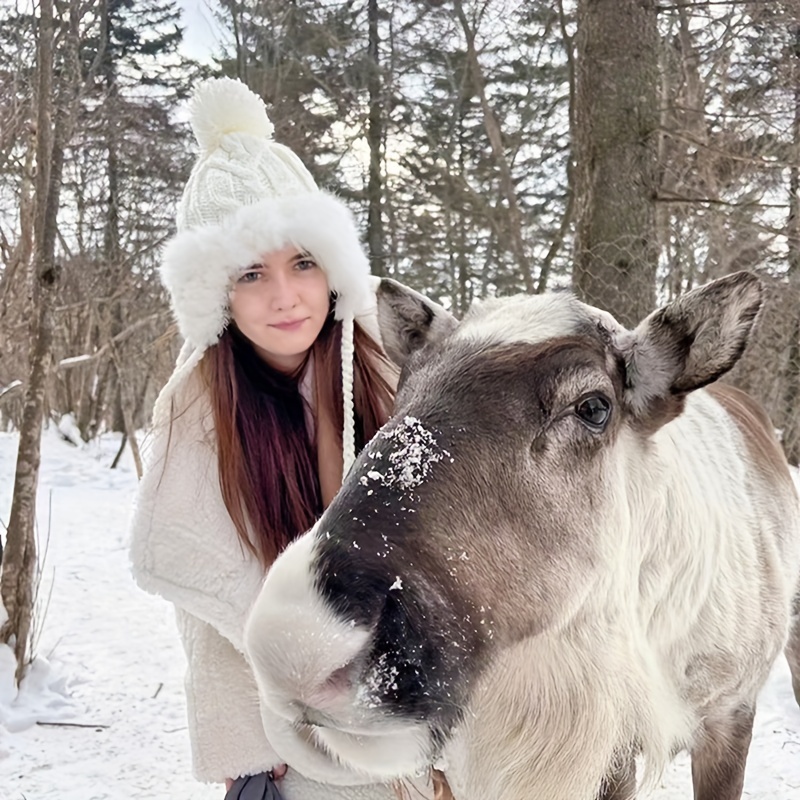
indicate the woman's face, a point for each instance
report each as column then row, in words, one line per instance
column 280, row 305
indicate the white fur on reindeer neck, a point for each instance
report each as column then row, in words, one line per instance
column 247, row 196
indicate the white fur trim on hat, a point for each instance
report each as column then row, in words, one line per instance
column 199, row 265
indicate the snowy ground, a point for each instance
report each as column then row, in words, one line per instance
column 115, row 665
column 111, row 671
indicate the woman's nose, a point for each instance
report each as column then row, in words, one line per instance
column 284, row 292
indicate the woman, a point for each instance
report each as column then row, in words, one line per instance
column 281, row 379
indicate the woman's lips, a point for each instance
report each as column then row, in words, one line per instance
column 291, row 325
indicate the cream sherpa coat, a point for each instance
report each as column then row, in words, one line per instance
column 185, row 548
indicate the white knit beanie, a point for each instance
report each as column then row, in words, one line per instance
column 248, row 196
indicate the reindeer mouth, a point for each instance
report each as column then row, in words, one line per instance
column 315, row 718
column 367, row 737
column 374, row 721
column 401, row 750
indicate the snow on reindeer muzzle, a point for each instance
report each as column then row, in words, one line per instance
column 354, row 633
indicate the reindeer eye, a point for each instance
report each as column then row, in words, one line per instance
column 593, row 411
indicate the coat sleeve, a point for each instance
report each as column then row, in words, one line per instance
column 184, row 546
column 222, row 706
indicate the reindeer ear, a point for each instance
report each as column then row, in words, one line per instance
column 408, row 321
column 690, row 342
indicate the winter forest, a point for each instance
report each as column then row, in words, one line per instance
column 628, row 150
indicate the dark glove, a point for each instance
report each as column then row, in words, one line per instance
column 254, row 787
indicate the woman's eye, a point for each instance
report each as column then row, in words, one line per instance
column 593, row 411
column 249, row 277
column 306, row 264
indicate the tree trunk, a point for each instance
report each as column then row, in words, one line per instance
column 127, row 407
column 615, row 140
column 462, row 254
column 111, row 311
column 15, row 291
column 21, row 257
column 495, row 136
column 52, row 127
column 569, row 208
column 19, row 559
column 791, row 399
column 793, row 221
column 375, row 242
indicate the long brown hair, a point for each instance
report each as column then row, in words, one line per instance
column 267, row 459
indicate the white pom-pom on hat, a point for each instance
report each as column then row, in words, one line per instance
column 222, row 106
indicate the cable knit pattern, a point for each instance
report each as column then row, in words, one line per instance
column 239, row 162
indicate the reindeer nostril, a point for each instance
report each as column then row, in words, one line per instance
column 339, row 679
column 334, row 691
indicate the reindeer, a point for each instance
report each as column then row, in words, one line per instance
column 569, row 549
